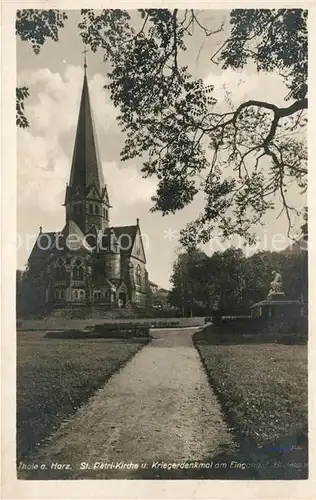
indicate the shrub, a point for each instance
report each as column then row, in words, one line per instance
column 67, row 334
column 120, row 330
column 258, row 330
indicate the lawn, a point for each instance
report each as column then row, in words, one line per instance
column 55, row 377
column 263, row 392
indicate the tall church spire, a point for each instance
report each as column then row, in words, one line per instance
column 86, row 182
column 86, row 165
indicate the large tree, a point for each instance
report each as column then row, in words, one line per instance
column 231, row 283
column 190, row 280
column 242, row 159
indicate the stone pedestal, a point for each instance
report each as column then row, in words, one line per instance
column 277, row 306
column 276, row 296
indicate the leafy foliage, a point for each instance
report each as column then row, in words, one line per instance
column 36, row 26
column 280, row 44
column 243, row 159
column 172, row 122
column 21, row 94
column 230, row 282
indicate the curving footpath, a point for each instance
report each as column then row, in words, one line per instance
column 158, row 408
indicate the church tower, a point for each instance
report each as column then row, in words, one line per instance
column 87, row 202
column 105, row 266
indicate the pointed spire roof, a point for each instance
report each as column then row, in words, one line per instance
column 86, row 166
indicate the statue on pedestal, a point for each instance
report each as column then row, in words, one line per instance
column 276, row 285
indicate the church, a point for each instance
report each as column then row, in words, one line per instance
column 89, row 261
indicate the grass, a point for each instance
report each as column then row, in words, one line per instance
column 263, row 392
column 264, row 387
column 55, row 377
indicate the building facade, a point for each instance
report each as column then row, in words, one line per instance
column 88, row 261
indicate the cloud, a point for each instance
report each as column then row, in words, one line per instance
column 241, row 87
column 54, row 103
column 126, row 186
column 45, row 149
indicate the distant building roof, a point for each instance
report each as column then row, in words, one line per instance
column 154, row 285
column 151, row 283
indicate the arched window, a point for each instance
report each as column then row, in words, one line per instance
column 60, row 270
column 75, row 294
column 97, row 295
column 59, row 294
column 78, row 271
column 82, row 294
column 138, row 276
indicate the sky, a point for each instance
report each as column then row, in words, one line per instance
column 55, row 78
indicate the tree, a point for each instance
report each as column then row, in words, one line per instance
column 190, row 282
column 227, row 281
column 231, row 283
column 202, row 283
column 171, row 120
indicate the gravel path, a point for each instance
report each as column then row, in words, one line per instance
column 159, row 407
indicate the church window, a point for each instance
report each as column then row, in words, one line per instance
column 97, row 295
column 103, row 211
column 90, row 208
column 60, row 270
column 75, row 294
column 96, row 209
column 107, row 214
column 138, row 276
column 82, row 294
column 78, row 272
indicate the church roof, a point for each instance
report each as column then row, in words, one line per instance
column 86, row 168
column 47, row 241
column 43, row 243
column 126, row 236
column 76, row 240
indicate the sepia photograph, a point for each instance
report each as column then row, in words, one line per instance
column 162, row 244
